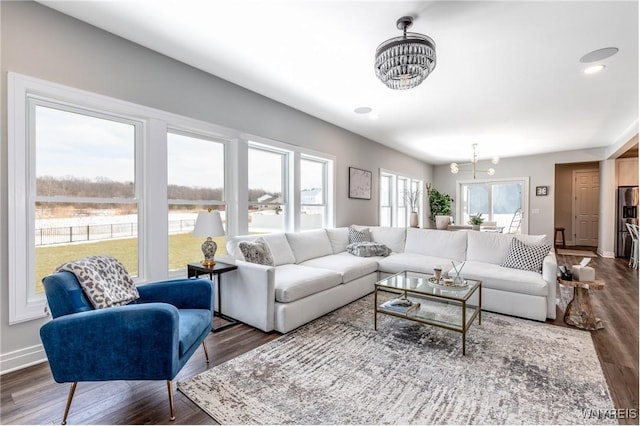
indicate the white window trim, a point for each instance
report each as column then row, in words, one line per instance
column 395, row 196
column 152, row 165
column 151, row 174
column 525, row 197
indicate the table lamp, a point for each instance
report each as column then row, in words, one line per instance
column 209, row 224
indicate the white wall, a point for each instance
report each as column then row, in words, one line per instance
column 541, row 171
column 42, row 43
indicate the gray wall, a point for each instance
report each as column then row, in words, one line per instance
column 541, row 171
column 42, row 43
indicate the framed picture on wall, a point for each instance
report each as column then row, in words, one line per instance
column 359, row 183
column 542, row 190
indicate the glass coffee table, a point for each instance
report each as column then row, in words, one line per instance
column 444, row 306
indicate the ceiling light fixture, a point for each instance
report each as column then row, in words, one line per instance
column 404, row 62
column 455, row 167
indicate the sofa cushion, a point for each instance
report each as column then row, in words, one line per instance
column 506, row 279
column 309, row 244
column 394, row 238
column 359, row 235
column 294, row 282
column 492, row 247
column 525, row 256
column 256, row 251
column 431, row 242
column 400, row 262
column 280, row 248
column 349, row 267
column 339, row 238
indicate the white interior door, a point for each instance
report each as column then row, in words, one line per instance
column 586, row 207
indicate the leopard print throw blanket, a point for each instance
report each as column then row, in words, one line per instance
column 104, row 280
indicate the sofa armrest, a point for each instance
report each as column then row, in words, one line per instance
column 132, row 342
column 183, row 293
column 549, row 274
column 248, row 294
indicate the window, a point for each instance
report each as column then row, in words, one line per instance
column 195, row 183
column 496, row 200
column 268, row 176
column 394, row 207
column 81, row 195
column 313, row 192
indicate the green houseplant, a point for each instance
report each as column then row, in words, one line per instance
column 476, row 220
column 439, row 203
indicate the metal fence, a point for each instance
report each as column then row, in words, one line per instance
column 72, row 234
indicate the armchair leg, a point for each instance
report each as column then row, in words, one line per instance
column 206, row 353
column 171, row 407
column 72, row 390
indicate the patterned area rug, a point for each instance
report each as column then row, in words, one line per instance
column 338, row 370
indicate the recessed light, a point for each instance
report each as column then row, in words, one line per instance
column 599, row 54
column 593, row 69
column 362, row 110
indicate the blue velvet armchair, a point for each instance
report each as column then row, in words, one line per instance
column 150, row 339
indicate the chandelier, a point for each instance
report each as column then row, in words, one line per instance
column 455, row 167
column 404, row 62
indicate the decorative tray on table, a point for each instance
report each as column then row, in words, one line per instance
column 447, row 283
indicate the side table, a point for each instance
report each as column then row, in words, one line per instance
column 197, row 269
column 579, row 311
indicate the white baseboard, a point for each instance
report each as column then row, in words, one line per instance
column 607, row 254
column 22, row 358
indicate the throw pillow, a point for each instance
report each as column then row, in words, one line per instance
column 359, row 235
column 526, row 257
column 256, row 251
column 368, row 249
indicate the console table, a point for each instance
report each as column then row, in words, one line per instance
column 579, row 311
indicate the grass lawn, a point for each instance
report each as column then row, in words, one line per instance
column 183, row 249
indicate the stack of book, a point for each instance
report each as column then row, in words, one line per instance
column 401, row 306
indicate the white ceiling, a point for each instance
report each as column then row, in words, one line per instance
column 508, row 75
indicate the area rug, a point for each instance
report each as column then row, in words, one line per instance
column 583, row 253
column 339, row 370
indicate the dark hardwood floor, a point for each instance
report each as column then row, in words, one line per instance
column 30, row 396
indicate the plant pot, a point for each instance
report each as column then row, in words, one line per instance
column 475, row 227
column 442, row 222
column 413, row 220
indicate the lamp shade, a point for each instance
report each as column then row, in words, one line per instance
column 209, row 224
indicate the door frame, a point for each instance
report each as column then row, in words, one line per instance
column 574, row 199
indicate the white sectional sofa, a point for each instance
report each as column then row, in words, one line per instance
column 314, row 274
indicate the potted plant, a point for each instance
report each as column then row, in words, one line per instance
column 439, row 204
column 411, row 199
column 476, row 220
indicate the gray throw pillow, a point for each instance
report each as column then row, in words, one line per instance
column 256, row 251
column 526, row 257
column 359, row 236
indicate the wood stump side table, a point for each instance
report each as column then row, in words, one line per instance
column 579, row 311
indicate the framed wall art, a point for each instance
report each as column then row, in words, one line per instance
column 359, row 183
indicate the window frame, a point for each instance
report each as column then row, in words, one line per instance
column 524, row 181
column 398, row 207
column 326, row 165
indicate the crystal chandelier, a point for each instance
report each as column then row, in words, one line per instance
column 455, row 167
column 404, row 62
